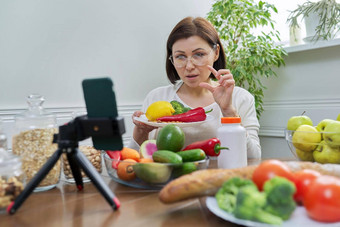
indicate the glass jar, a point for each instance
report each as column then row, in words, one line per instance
column 12, row 179
column 3, row 138
column 93, row 155
column 32, row 141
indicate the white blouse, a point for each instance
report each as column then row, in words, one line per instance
column 243, row 103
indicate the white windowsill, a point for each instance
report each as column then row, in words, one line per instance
column 312, row 46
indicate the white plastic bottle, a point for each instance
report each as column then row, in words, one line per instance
column 232, row 135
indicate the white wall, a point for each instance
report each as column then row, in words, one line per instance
column 50, row 46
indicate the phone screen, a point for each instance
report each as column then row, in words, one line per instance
column 100, row 102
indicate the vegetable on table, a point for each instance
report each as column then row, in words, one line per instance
column 211, row 147
column 268, row 169
column 165, row 156
column 280, row 201
column 303, row 179
column 242, row 198
column 179, row 107
column 125, row 170
column 322, row 200
column 197, row 114
column 249, row 205
column 192, row 155
column 116, row 156
column 129, row 153
column 226, row 195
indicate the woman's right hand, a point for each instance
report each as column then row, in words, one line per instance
column 141, row 130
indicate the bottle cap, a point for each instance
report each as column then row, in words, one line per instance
column 228, row 120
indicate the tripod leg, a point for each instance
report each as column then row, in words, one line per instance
column 96, row 179
column 75, row 170
column 34, row 182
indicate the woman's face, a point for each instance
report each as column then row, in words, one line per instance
column 190, row 57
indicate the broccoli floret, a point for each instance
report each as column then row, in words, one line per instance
column 179, row 107
column 226, row 195
column 279, row 192
column 249, row 205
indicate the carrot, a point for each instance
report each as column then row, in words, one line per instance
column 125, row 170
column 129, row 153
column 145, row 160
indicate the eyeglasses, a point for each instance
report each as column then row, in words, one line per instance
column 199, row 58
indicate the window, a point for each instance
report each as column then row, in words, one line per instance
column 283, row 7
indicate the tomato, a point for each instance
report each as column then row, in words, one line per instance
column 322, row 200
column 268, row 169
column 302, row 180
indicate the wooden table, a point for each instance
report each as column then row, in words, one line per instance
column 65, row 206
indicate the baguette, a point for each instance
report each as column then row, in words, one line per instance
column 207, row 182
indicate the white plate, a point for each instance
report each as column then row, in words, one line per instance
column 298, row 218
column 143, row 119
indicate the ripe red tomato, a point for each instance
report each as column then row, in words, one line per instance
column 302, row 180
column 268, row 169
column 322, row 200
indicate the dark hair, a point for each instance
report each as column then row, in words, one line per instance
column 186, row 28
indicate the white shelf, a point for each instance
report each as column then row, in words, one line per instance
column 313, row 46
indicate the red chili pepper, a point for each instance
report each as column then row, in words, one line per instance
column 116, row 155
column 197, row 114
column 211, row 147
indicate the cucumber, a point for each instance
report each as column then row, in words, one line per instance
column 185, row 168
column 192, row 155
column 165, row 156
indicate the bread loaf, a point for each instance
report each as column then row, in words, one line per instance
column 207, row 182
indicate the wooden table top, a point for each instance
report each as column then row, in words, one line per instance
column 65, row 206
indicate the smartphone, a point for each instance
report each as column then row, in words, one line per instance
column 100, row 102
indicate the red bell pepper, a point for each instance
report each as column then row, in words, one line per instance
column 116, row 156
column 211, row 147
column 197, row 114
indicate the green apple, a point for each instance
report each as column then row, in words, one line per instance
column 332, row 134
column 306, row 138
column 295, row 121
column 338, row 118
column 326, row 154
column 322, row 125
column 304, row 155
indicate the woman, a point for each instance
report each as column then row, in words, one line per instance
column 194, row 57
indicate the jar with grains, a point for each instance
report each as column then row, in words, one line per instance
column 32, row 141
column 93, row 155
column 12, row 179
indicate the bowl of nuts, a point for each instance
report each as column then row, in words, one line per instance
column 93, row 155
column 12, row 179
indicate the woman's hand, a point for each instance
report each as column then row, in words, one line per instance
column 223, row 92
column 141, row 130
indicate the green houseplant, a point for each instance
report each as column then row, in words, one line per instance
column 250, row 57
column 327, row 18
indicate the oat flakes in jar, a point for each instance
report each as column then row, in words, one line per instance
column 32, row 141
column 93, row 155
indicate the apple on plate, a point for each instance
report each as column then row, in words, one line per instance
column 338, row 118
column 326, row 154
column 306, row 138
column 332, row 134
column 322, row 125
column 295, row 121
column 304, row 155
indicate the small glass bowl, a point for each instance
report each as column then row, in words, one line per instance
column 325, row 151
column 152, row 175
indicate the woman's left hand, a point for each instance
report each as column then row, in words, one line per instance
column 223, row 92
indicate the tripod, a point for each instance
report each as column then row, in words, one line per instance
column 69, row 135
